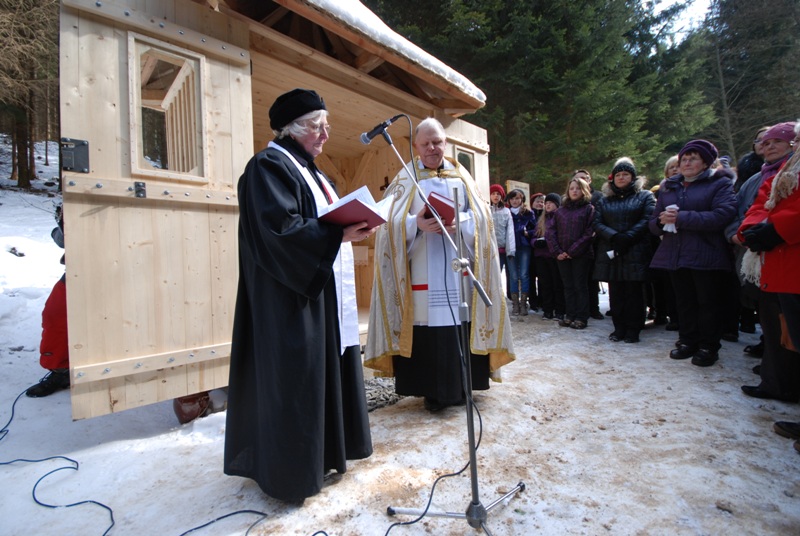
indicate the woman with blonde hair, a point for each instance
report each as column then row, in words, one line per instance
column 569, row 239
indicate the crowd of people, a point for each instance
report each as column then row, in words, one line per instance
column 706, row 252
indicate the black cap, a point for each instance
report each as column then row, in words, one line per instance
column 553, row 198
column 292, row 105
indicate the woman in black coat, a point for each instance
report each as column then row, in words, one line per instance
column 624, row 250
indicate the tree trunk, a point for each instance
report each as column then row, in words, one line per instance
column 31, row 134
column 725, row 113
column 47, row 124
column 14, row 170
column 23, row 168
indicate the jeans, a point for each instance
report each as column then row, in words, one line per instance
column 519, row 271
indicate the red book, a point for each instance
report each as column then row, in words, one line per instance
column 355, row 207
column 443, row 205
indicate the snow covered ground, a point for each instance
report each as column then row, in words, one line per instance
column 608, row 439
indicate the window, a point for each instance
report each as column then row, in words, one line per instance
column 466, row 159
column 167, row 119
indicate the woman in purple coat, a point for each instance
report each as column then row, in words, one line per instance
column 569, row 238
column 691, row 213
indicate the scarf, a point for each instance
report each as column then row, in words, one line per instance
column 785, row 183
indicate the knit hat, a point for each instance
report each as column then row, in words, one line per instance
column 707, row 151
column 623, row 164
column 292, row 105
column 553, row 198
column 497, row 188
column 781, row 131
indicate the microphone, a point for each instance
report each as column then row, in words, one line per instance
column 366, row 137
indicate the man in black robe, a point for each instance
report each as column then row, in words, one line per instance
column 296, row 401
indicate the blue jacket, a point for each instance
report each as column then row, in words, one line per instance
column 706, row 207
column 524, row 223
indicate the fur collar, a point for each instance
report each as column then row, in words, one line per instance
column 609, row 190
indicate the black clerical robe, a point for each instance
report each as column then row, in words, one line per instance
column 296, row 405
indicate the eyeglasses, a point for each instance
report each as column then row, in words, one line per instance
column 318, row 128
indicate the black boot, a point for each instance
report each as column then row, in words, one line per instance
column 55, row 380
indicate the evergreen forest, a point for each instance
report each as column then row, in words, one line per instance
column 569, row 84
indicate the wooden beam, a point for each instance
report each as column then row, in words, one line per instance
column 412, row 84
column 367, row 62
column 273, row 18
column 275, row 44
column 339, row 48
column 129, row 17
column 156, row 191
column 147, row 363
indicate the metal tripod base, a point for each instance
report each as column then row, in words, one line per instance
column 475, row 515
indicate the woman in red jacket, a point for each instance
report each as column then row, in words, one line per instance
column 771, row 232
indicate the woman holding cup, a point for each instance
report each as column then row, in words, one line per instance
column 693, row 248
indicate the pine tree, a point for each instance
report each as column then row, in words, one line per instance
column 568, row 84
column 751, row 50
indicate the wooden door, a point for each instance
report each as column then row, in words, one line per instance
column 156, row 119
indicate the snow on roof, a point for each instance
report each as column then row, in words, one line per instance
column 359, row 18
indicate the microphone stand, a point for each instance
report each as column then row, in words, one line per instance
column 476, row 514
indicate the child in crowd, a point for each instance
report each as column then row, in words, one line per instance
column 551, row 291
column 537, row 207
column 503, row 224
column 519, row 266
column 569, row 238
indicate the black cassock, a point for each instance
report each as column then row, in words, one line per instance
column 296, row 406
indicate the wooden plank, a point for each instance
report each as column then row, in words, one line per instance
column 156, row 190
column 95, row 99
column 197, row 297
column 141, row 20
column 148, row 363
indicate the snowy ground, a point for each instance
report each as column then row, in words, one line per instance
column 608, row 439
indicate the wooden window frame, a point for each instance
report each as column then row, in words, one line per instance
column 189, row 146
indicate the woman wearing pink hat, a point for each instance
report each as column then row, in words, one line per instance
column 771, row 230
column 767, row 241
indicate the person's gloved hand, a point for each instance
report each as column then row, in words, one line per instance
column 762, row 237
column 539, row 243
column 621, row 243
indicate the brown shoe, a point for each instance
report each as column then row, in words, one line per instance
column 578, row 324
column 191, row 407
column 797, row 445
